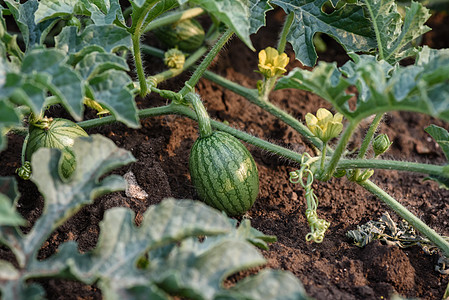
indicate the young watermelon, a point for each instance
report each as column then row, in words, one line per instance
column 187, row 35
column 55, row 133
column 224, row 173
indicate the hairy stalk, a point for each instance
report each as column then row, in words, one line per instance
column 338, row 152
column 392, row 165
column 174, row 17
column 206, row 62
column 253, row 97
column 407, row 215
column 176, row 109
column 283, row 36
column 367, row 140
column 323, row 156
column 136, row 31
column 139, row 65
column 267, row 86
column 201, row 114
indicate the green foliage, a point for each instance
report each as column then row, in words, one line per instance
column 182, row 247
column 394, row 34
column 244, row 17
column 421, row 87
column 102, row 12
column 32, row 31
column 309, row 18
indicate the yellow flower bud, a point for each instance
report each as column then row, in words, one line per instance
column 271, row 63
column 325, row 126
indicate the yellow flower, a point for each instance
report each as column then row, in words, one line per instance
column 325, row 126
column 272, row 64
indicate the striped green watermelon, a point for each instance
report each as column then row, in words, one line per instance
column 55, row 133
column 224, row 173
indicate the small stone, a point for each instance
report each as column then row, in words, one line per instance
column 133, row 190
column 422, row 149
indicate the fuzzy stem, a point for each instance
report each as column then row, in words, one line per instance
column 268, row 84
column 285, row 30
column 330, row 169
column 367, row 141
column 369, row 135
column 136, row 31
column 201, row 113
column 407, row 215
column 323, row 156
column 392, row 165
column 252, row 96
column 139, row 65
column 206, row 62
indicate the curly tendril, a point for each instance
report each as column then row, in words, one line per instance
column 304, row 176
column 24, row 171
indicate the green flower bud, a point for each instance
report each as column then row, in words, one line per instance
column 381, row 144
column 174, row 59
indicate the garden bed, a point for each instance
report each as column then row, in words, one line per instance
column 334, row 269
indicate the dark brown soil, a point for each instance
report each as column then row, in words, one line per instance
column 334, row 269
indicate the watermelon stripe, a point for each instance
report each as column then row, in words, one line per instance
column 59, row 135
column 229, row 167
column 209, row 195
column 221, row 168
column 247, row 154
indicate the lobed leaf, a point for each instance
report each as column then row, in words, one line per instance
column 110, row 89
column 105, row 38
column 244, row 17
column 105, row 12
column 381, row 87
column 96, row 156
column 267, row 284
column 393, row 33
column 197, row 272
column 8, row 199
column 309, row 18
column 258, row 10
column 44, row 70
column 102, row 12
column 121, row 244
column 25, row 17
column 96, row 63
column 56, row 8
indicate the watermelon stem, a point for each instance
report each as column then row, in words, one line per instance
column 203, row 117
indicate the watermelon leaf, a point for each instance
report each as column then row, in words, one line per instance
column 394, row 34
column 309, row 18
column 421, row 87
